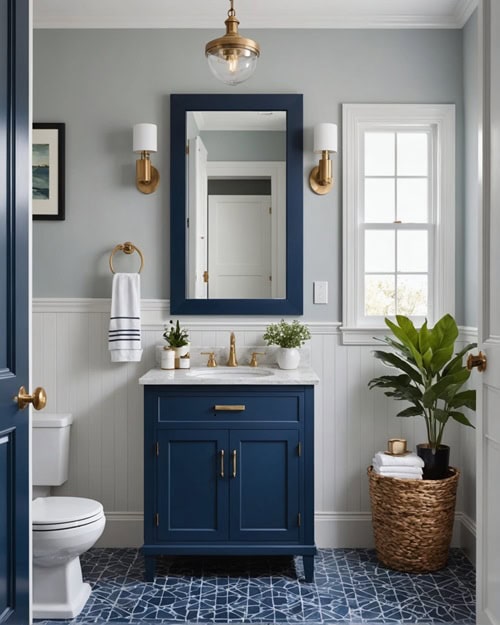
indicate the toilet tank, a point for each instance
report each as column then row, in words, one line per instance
column 50, row 448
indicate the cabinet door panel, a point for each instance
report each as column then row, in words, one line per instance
column 264, row 493
column 192, row 492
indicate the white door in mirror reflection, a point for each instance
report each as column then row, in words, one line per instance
column 239, row 250
column 197, row 219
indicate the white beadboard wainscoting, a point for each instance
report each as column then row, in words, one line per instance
column 71, row 360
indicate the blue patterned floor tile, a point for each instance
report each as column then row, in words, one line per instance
column 350, row 587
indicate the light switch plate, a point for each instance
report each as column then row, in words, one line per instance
column 320, row 292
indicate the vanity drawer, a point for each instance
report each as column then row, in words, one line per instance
column 220, row 406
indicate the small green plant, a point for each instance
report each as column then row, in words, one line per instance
column 175, row 335
column 285, row 334
column 431, row 376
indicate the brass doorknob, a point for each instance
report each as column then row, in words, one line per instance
column 38, row 398
column 477, row 360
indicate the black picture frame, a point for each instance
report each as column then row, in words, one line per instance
column 48, row 171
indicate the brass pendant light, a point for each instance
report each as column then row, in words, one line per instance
column 232, row 58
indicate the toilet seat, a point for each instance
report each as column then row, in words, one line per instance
column 60, row 513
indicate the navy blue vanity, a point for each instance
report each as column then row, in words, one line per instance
column 228, row 467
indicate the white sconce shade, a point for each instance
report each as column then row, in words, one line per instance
column 145, row 138
column 325, row 137
column 147, row 177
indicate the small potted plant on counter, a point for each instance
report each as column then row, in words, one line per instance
column 430, row 378
column 178, row 339
column 289, row 337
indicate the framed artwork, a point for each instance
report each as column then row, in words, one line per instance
column 48, row 183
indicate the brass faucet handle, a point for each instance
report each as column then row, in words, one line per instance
column 211, row 358
column 253, row 361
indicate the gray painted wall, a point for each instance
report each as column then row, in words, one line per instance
column 471, row 186
column 244, row 145
column 101, row 82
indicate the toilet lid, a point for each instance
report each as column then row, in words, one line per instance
column 50, row 513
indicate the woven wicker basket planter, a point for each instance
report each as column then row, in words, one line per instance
column 413, row 521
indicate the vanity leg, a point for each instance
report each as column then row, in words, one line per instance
column 150, row 568
column 308, row 568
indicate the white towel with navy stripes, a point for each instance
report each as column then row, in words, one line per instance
column 125, row 322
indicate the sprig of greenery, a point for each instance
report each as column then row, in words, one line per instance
column 175, row 335
column 286, row 334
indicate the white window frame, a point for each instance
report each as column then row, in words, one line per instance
column 440, row 120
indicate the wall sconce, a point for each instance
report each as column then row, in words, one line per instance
column 325, row 141
column 147, row 177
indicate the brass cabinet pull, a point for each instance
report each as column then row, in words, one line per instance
column 222, row 463
column 234, row 462
column 230, row 407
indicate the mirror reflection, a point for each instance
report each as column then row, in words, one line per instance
column 236, row 204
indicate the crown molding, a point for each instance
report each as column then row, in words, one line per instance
column 329, row 16
column 464, row 10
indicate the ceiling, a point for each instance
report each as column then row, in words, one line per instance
column 252, row 13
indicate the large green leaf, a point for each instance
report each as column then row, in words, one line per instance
column 412, row 411
column 441, row 415
column 461, row 418
column 384, row 381
column 440, row 389
column 465, row 398
column 392, row 360
column 456, row 362
column 424, row 339
column 408, row 335
column 442, row 337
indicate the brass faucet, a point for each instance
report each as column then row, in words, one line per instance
column 232, row 361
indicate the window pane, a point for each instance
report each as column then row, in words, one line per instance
column 379, row 251
column 379, row 154
column 413, row 200
column 412, row 250
column 379, row 200
column 412, row 295
column 412, row 154
column 379, row 295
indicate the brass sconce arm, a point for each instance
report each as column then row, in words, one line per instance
column 325, row 141
column 147, row 177
column 320, row 179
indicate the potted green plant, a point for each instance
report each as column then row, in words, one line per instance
column 289, row 337
column 178, row 339
column 430, row 380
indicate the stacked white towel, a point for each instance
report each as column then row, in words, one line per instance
column 125, row 321
column 405, row 467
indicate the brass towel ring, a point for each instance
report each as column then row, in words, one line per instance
column 126, row 248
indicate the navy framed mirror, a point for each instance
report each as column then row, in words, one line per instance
column 236, row 204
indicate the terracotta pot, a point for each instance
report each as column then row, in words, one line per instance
column 436, row 461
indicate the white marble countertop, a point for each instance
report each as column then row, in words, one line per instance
column 205, row 376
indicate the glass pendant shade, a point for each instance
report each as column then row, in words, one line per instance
column 232, row 58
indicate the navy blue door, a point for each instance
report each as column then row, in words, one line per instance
column 264, row 485
column 14, row 227
column 192, row 485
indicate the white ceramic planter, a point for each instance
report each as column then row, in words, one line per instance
column 180, row 351
column 288, row 357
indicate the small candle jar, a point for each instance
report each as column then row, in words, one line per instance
column 167, row 358
column 184, row 362
column 397, row 446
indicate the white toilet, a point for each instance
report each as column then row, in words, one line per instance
column 63, row 527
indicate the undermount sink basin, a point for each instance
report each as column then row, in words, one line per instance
column 230, row 373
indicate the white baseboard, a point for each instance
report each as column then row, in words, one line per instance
column 123, row 529
column 332, row 529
